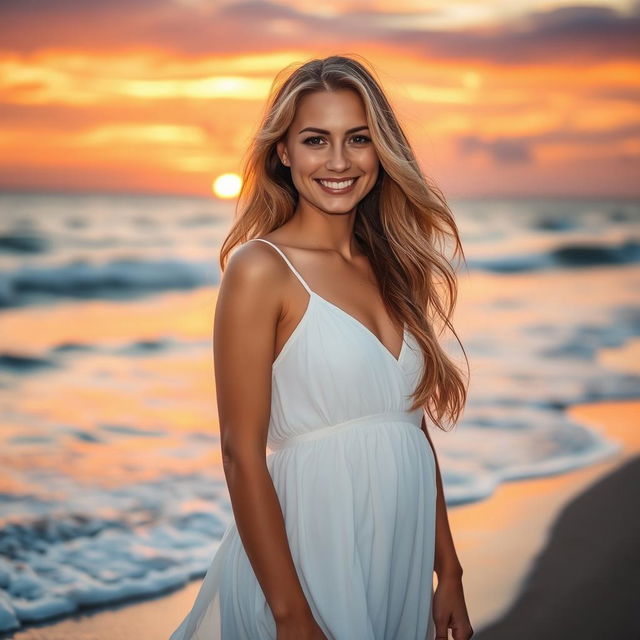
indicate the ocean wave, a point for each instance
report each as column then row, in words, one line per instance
column 112, row 279
column 566, row 256
column 73, row 557
column 20, row 363
column 20, row 242
column 133, row 277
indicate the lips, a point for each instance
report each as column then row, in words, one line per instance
column 335, row 191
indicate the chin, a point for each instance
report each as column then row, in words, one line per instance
column 337, row 207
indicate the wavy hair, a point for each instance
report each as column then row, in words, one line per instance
column 402, row 225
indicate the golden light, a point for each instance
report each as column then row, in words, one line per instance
column 227, row 185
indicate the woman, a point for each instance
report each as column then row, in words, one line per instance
column 323, row 325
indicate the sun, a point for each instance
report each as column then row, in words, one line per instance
column 227, row 185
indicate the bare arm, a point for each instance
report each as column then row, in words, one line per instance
column 446, row 558
column 247, row 311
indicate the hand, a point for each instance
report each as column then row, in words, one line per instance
column 450, row 610
column 299, row 628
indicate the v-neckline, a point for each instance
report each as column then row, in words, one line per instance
column 366, row 329
column 313, row 294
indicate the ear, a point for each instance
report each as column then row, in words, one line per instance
column 282, row 152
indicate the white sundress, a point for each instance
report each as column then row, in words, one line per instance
column 356, row 480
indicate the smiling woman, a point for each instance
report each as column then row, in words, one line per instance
column 326, row 352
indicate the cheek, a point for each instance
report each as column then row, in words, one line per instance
column 304, row 160
column 371, row 162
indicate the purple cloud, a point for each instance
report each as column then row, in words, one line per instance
column 577, row 33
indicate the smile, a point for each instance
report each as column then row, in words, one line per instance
column 337, row 186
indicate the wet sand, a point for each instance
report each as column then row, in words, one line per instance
column 498, row 539
column 586, row 582
column 543, row 558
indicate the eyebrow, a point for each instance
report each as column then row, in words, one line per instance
column 316, row 130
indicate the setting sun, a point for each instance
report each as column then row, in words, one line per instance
column 227, row 185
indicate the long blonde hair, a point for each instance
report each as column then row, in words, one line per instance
column 401, row 225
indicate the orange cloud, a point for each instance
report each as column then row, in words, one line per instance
column 159, row 96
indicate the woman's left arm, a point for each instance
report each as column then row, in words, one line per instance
column 446, row 562
column 449, row 607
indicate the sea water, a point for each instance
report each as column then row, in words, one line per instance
column 111, row 484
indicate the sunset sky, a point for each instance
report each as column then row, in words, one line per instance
column 498, row 98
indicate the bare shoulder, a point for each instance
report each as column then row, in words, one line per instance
column 253, row 287
column 256, row 268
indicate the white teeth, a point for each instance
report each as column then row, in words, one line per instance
column 337, row 185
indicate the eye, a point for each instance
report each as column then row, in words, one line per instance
column 364, row 138
column 308, row 140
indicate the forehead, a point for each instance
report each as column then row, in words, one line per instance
column 330, row 110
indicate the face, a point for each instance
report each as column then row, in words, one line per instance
column 329, row 151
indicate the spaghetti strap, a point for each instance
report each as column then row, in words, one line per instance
column 295, row 272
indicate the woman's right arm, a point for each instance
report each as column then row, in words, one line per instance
column 248, row 308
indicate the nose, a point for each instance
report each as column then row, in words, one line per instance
column 338, row 160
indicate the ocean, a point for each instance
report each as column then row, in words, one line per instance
column 111, row 483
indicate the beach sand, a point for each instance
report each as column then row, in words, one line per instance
column 586, row 582
column 552, row 557
column 498, row 539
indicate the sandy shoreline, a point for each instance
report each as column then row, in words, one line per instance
column 499, row 541
column 586, row 582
